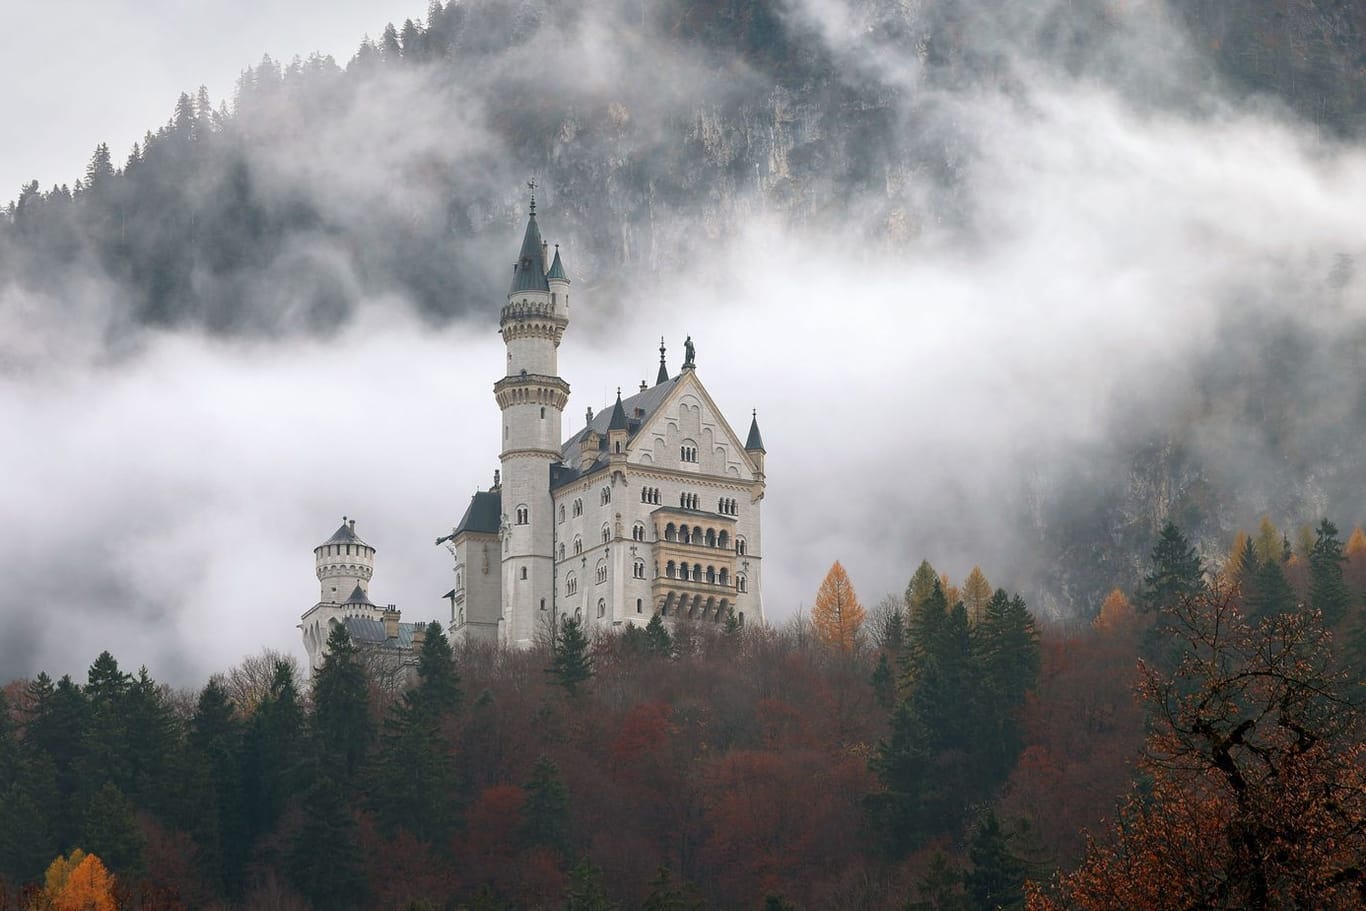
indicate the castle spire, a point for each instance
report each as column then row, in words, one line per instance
column 755, row 441
column 663, row 370
column 529, row 273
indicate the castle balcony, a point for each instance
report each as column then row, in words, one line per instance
column 531, row 389
column 697, row 600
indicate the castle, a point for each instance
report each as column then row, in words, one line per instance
column 651, row 507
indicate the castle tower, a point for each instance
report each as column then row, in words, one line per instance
column 531, row 397
column 343, row 563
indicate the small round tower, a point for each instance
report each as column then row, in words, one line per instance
column 344, row 562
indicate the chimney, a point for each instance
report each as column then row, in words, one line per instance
column 419, row 637
column 352, row 524
column 390, row 620
column 588, row 449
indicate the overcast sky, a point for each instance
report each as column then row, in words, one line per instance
column 80, row 72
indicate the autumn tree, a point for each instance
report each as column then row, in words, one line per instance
column 976, row 593
column 1116, row 615
column 837, row 615
column 79, row 882
column 1256, row 790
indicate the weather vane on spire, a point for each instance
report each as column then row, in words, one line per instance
column 531, row 185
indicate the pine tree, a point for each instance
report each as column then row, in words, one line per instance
column 106, row 725
column 1271, row 594
column 1327, row 588
column 545, row 815
column 1176, row 574
column 272, row 745
column 153, row 738
column 837, row 615
column 100, row 170
column 922, row 585
column 657, row 638
column 325, row 862
column 884, row 682
column 218, row 821
column 585, row 891
column 341, row 724
column 571, row 665
column 111, row 831
column 998, row 873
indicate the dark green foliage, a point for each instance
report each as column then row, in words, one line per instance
column 545, row 815
column 325, row 862
column 342, row 728
column 272, row 751
column 217, row 814
column 1328, row 592
column 585, row 891
column 668, row 895
column 998, row 872
column 777, row 903
column 1177, row 572
column 414, row 784
column 110, row 830
column 1271, row 592
column 1006, row 647
column 884, row 682
column 660, row 643
column 55, row 736
column 571, row 666
column 152, row 742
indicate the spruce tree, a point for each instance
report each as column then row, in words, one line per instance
column 341, row 724
column 545, row 815
column 660, row 643
column 1328, row 592
column 585, row 891
column 219, row 820
column 271, row 748
column 1271, row 594
column 325, row 862
column 571, row 665
column 110, row 830
column 1177, row 572
column 998, row 873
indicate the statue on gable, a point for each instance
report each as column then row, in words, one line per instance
column 689, row 352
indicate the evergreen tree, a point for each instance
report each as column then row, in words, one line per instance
column 272, row 744
column 100, row 170
column 919, row 590
column 976, row 593
column 1271, row 593
column 111, row 831
column 1007, row 658
column 545, row 815
column 325, row 862
column 667, row 895
column 54, row 737
column 998, row 873
column 884, row 682
column 152, row 742
column 1328, row 592
column 585, row 891
column 1177, row 572
column 415, row 785
column 219, row 817
column 571, row 665
column 342, row 728
column 658, row 640
column 106, row 726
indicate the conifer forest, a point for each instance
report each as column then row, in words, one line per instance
column 1054, row 315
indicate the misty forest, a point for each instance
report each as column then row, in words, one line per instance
column 1065, row 294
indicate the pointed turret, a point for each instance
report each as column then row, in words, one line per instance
column 529, row 273
column 754, row 445
column 663, row 370
column 617, row 429
column 557, row 272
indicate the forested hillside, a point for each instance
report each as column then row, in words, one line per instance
column 938, row 751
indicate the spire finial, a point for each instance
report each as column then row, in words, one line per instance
column 531, row 185
column 663, row 370
column 618, row 393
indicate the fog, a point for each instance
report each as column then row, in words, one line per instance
column 916, row 374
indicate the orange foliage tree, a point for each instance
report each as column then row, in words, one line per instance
column 79, row 882
column 837, row 614
column 1116, row 615
column 1257, row 795
column 976, row 593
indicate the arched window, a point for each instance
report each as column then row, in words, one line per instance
column 670, row 569
column 683, row 571
column 602, row 571
column 606, row 495
column 606, row 533
column 602, row 607
column 523, row 572
column 740, row 546
column 723, row 577
column 670, row 532
column 561, row 512
column 638, row 570
column 741, row 582
column 523, row 515
column 711, row 537
column 644, row 494
column 638, row 532
column 711, row 574
column 578, row 545
column 571, row 584
column 723, row 539
column 578, row 506
column 684, row 535
column 697, row 572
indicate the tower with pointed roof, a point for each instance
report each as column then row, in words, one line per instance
column 344, row 565
column 652, row 507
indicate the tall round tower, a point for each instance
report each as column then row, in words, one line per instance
column 344, row 563
column 532, row 398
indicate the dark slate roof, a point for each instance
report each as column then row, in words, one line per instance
column 646, row 403
column 529, row 273
column 663, row 373
column 358, row 596
column 618, row 421
column 484, row 513
column 755, row 441
column 557, row 268
column 345, row 535
column 366, row 630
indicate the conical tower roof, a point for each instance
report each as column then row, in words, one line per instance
column 618, row 421
column 557, row 268
column 358, row 596
column 529, row 273
column 755, row 441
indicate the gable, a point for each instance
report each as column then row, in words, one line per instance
column 688, row 432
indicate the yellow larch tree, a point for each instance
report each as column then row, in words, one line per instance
column 1270, row 546
column 79, row 882
column 1116, row 614
column 1233, row 563
column 1356, row 544
column 976, row 594
column 951, row 593
column 837, row 614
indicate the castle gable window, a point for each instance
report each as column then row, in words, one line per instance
column 602, row 571
column 523, row 515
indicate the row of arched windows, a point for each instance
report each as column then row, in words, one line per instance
column 606, row 495
column 571, row 584
column 695, row 573
column 649, row 495
column 682, row 534
column 688, row 453
column 688, row 500
column 638, row 532
column 727, row 507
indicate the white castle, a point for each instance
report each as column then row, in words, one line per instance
column 650, row 508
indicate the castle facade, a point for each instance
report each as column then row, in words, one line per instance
column 652, row 506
